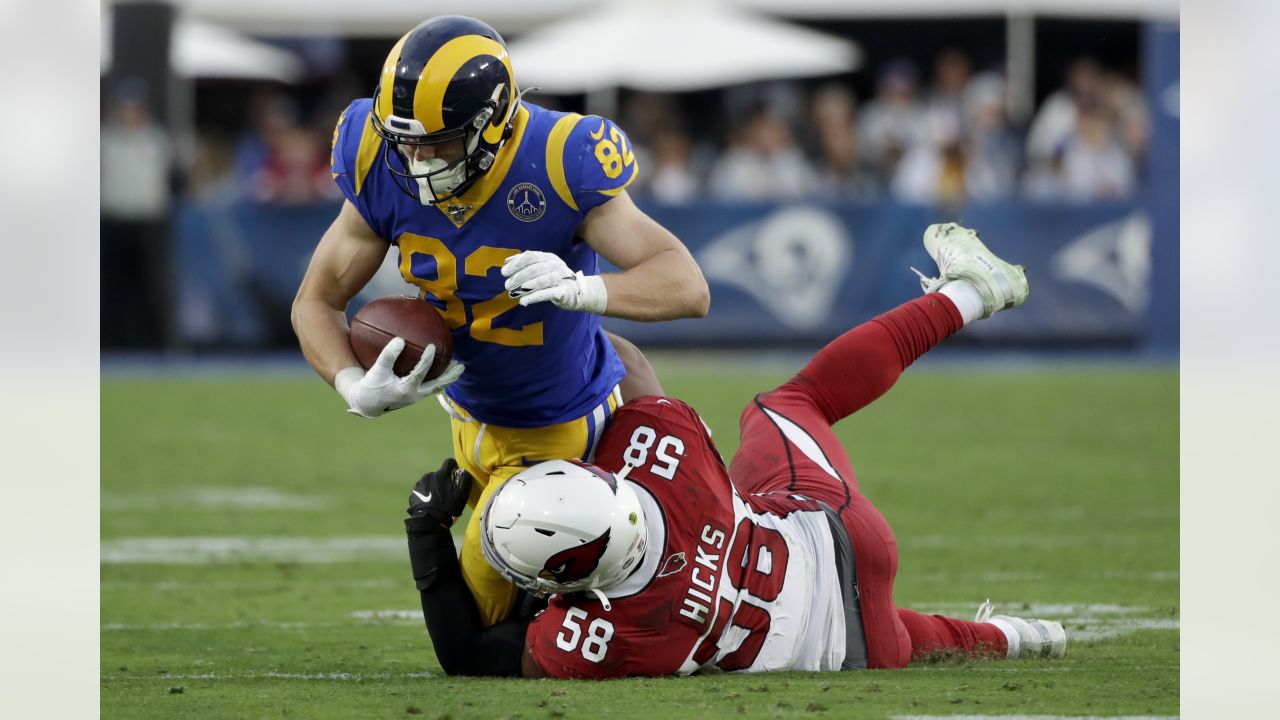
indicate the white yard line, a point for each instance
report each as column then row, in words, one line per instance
column 1034, row 609
column 215, row 498
column 382, row 615
column 210, row 550
column 398, row 617
column 1122, row 627
column 273, row 584
column 1084, row 621
column 1033, row 717
column 197, row 627
column 1155, row 576
column 271, row 674
column 1019, row 542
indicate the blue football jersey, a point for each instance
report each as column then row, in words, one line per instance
column 526, row 366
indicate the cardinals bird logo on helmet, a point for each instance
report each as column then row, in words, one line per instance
column 575, row 563
column 564, row 526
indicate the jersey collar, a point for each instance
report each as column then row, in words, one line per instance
column 464, row 207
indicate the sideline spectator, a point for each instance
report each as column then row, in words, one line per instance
column 893, row 120
column 663, row 149
column 840, row 167
column 211, row 177
column 951, row 72
column 993, row 151
column 1125, row 100
column 972, row 155
column 281, row 159
column 271, row 114
column 763, row 163
column 671, row 177
column 1093, row 164
column 933, row 168
column 136, row 162
column 296, row 169
column 1055, row 122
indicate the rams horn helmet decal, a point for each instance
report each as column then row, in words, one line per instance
column 445, row 103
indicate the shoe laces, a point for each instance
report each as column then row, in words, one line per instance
column 984, row 612
column 929, row 284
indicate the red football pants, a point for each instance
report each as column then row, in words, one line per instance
column 787, row 444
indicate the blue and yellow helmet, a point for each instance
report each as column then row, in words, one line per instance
column 445, row 104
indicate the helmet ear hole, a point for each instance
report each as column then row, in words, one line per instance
column 500, row 113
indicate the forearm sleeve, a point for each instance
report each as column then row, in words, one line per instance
column 463, row 646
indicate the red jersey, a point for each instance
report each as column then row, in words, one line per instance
column 727, row 581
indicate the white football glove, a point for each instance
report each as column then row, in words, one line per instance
column 380, row 390
column 534, row 277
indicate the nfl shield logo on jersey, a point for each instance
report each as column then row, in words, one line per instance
column 526, row 202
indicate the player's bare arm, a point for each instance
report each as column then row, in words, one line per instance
column 345, row 260
column 529, row 667
column 659, row 280
column 347, row 257
column 641, row 379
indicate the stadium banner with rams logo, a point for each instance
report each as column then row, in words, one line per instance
column 785, row 274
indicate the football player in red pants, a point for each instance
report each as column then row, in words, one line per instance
column 659, row 559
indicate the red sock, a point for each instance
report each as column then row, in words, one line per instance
column 933, row 633
column 862, row 364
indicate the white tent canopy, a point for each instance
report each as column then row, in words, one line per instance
column 392, row 18
column 1114, row 9
column 380, row 18
column 668, row 45
column 203, row 49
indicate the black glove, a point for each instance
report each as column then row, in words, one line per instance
column 439, row 496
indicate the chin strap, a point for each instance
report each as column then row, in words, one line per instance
column 604, row 600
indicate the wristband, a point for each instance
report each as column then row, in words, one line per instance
column 346, row 380
column 593, row 297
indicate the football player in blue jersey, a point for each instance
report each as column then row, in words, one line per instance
column 499, row 211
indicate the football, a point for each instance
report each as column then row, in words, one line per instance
column 415, row 320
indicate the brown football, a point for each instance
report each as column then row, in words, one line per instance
column 414, row 320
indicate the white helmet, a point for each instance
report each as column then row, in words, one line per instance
column 563, row 526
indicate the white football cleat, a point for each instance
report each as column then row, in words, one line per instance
column 960, row 255
column 1027, row 638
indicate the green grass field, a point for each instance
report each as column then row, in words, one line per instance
column 253, row 560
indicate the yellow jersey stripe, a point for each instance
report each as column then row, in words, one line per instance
column 555, row 157
column 367, row 152
column 477, row 195
column 614, row 192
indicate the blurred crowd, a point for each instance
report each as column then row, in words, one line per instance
column 946, row 141
column 942, row 137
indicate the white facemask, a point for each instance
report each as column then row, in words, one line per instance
column 442, row 184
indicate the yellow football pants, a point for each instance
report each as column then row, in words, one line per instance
column 492, row 454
